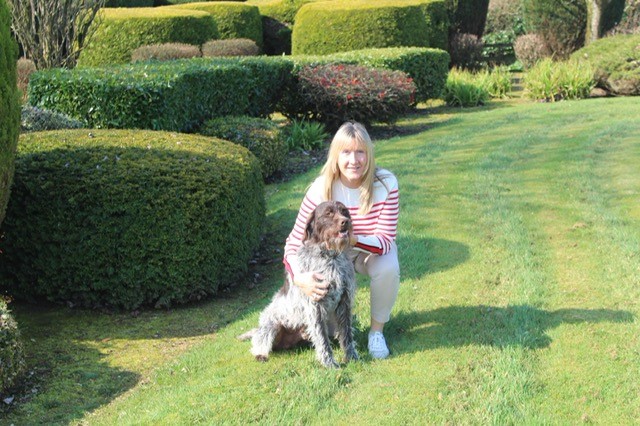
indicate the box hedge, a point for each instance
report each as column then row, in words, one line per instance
column 616, row 61
column 116, row 218
column 233, row 19
column 9, row 106
column 120, row 31
column 341, row 25
column 162, row 96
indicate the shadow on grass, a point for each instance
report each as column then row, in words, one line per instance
column 423, row 256
column 521, row 325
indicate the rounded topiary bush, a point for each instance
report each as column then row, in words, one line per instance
column 11, row 353
column 341, row 25
column 616, row 62
column 123, row 218
column 263, row 137
column 165, row 52
column 230, row 47
column 120, row 31
column 9, row 106
column 233, row 19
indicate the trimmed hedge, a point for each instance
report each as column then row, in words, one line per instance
column 261, row 136
column 163, row 96
column 233, row 19
column 427, row 67
column 345, row 25
column 616, row 61
column 12, row 363
column 129, row 3
column 120, row 31
column 9, row 106
column 124, row 219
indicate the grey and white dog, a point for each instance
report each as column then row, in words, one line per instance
column 292, row 316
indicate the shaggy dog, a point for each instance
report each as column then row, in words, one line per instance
column 292, row 316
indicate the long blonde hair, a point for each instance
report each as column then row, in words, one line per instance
column 346, row 135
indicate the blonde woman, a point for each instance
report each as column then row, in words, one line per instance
column 371, row 195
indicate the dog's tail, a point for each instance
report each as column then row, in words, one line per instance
column 248, row 335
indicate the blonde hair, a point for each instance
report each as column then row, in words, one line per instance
column 348, row 133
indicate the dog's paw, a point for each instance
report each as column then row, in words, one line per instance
column 352, row 356
column 331, row 363
column 262, row 358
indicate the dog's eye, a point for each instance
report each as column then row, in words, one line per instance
column 328, row 213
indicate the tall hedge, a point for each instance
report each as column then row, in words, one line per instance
column 120, row 31
column 233, row 19
column 345, row 25
column 163, row 96
column 9, row 106
column 129, row 218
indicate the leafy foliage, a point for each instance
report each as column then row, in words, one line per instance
column 553, row 81
column 129, row 218
column 262, row 137
column 339, row 26
column 230, row 47
column 12, row 363
column 464, row 89
column 303, row 135
column 35, row 119
column 333, row 94
column 530, row 48
column 466, row 51
column 616, row 61
column 165, row 52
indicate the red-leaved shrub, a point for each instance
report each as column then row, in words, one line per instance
column 333, row 94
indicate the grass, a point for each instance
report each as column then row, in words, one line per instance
column 519, row 301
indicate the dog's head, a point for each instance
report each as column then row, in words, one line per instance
column 330, row 225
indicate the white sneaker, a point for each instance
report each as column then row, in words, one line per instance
column 377, row 345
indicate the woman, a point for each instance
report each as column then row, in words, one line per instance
column 371, row 195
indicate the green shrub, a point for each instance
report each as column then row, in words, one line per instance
column 497, row 81
column 333, row 94
column 467, row 16
column 427, row 67
column 552, row 81
column 165, row 52
column 464, row 89
column 120, row 31
column 616, row 63
column 561, row 24
column 179, row 95
column 233, row 19
column 123, row 219
column 230, row 47
column 344, row 25
column 9, row 106
column 37, row 119
column 261, row 136
column 12, row 363
column 304, row 135
column 128, row 3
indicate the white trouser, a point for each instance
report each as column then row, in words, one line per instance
column 384, row 272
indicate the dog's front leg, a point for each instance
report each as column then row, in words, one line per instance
column 262, row 340
column 345, row 328
column 319, row 336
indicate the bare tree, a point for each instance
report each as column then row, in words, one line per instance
column 53, row 32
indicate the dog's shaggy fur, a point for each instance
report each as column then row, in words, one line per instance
column 292, row 316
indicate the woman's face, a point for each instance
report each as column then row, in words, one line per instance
column 352, row 161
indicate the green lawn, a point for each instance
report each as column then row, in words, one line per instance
column 519, row 303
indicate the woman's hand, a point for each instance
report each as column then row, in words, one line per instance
column 312, row 284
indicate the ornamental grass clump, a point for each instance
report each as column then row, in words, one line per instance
column 465, row 89
column 553, row 81
column 333, row 94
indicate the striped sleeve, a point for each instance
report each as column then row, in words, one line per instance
column 377, row 230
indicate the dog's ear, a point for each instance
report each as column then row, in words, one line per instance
column 308, row 230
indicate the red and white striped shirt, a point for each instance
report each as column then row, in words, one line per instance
column 375, row 231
